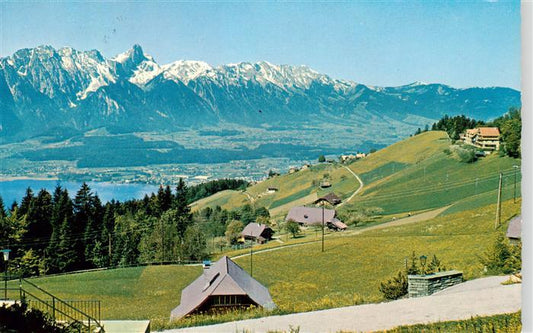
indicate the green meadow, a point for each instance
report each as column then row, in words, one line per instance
column 300, row 278
column 414, row 175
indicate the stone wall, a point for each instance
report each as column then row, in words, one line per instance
column 425, row 285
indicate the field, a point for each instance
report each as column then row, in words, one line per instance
column 413, row 176
column 300, row 278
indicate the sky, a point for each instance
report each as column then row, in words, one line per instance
column 382, row 43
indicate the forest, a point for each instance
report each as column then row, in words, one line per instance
column 52, row 233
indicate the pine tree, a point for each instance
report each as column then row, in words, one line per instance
column 2, row 208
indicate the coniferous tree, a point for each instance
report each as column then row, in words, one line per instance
column 2, row 208
column 26, row 202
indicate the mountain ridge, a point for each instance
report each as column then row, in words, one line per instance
column 43, row 88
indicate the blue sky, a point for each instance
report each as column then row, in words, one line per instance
column 385, row 43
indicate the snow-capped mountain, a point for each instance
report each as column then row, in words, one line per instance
column 43, row 89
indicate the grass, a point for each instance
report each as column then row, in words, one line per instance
column 227, row 199
column 300, row 278
column 510, row 322
column 429, row 180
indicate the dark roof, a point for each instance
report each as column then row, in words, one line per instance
column 331, row 197
column 514, row 230
column 254, row 229
column 310, row 215
column 223, row 278
column 338, row 224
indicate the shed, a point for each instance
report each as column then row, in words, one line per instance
column 514, row 230
column 257, row 232
column 225, row 285
column 331, row 198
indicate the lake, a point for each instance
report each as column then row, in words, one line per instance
column 11, row 190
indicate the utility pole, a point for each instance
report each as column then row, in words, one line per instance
column 251, row 255
column 322, row 225
column 515, row 170
column 499, row 204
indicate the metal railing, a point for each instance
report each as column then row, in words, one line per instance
column 86, row 313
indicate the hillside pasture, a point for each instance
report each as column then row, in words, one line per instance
column 301, row 278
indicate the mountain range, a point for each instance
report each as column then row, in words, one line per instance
column 57, row 92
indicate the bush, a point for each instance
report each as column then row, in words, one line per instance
column 18, row 318
column 394, row 287
column 502, row 257
column 292, row 227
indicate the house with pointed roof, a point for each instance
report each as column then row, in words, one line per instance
column 222, row 286
column 260, row 233
column 309, row 216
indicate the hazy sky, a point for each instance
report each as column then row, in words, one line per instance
column 386, row 43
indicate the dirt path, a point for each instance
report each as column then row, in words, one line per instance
column 407, row 220
column 474, row 298
column 403, row 221
column 356, row 191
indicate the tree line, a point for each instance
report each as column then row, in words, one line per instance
column 510, row 126
column 52, row 232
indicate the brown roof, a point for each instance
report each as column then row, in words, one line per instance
column 338, row 224
column 310, row 215
column 514, row 230
column 489, row 131
column 254, row 229
column 332, row 198
column 223, row 278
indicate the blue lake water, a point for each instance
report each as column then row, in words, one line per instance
column 11, row 190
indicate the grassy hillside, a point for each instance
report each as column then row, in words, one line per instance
column 301, row 187
column 420, row 173
column 301, row 278
column 415, row 174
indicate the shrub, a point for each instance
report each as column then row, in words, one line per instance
column 502, row 257
column 394, row 287
column 292, row 227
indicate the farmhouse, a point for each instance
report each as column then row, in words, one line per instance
column 260, row 233
column 331, row 198
column 272, row 190
column 514, row 230
column 486, row 138
column 224, row 285
column 309, row 216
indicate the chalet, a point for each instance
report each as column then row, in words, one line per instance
column 260, row 233
column 293, row 170
column 325, row 184
column 272, row 190
column 514, row 230
column 309, row 216
column 305, row 166
column 330, row 198
column 224, row 285
column 485, row 138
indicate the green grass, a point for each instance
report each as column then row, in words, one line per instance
column 126, row 293
column 510, row 322
column 299, row 278
column 292, row 197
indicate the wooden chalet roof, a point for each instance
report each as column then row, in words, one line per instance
column 310, row 215
column 223, row 278
column 514, row 230
column 254, row 229
column 331, row 197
